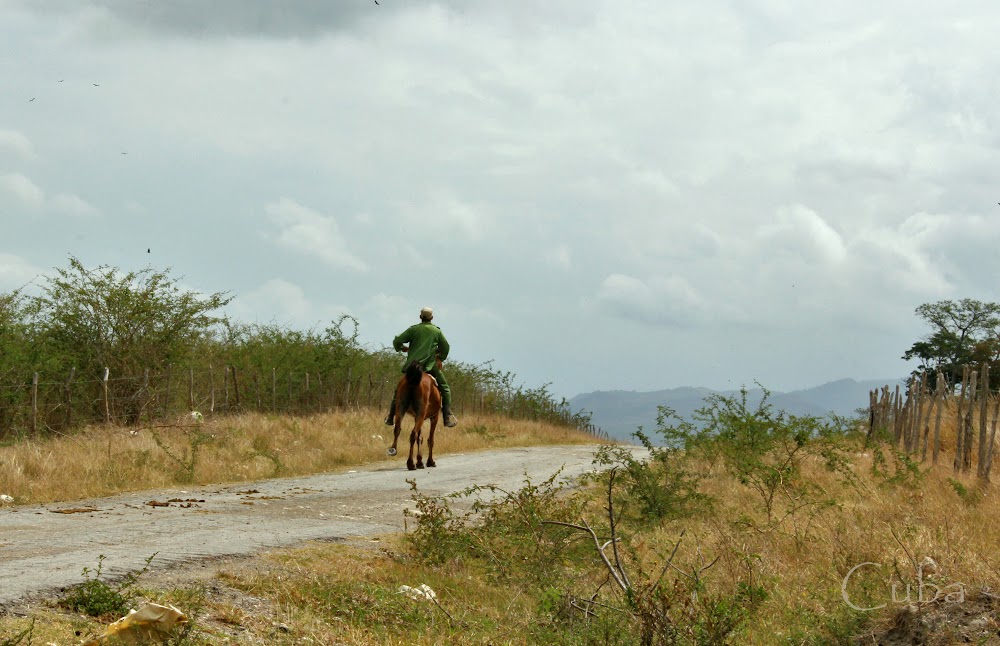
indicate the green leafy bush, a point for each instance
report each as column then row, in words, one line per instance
column 97, row 597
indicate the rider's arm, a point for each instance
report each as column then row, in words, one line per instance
column 443, row 348
column 399, row 341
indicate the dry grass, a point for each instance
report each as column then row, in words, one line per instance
column 802, row 563
column 341, row 594
column 102, row 461
column 348, row 593
column 345, row 594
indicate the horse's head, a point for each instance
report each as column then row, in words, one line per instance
column 414, row 372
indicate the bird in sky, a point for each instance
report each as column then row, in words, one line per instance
column 31, row 99
column 97, row 85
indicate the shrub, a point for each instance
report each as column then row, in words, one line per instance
column 97, row 597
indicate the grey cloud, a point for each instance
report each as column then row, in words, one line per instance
column 299, row 18
column 302, row 18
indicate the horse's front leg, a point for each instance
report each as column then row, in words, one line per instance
column 395, row 435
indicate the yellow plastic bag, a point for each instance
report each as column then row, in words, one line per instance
column 149, row 624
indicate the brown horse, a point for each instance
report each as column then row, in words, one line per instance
column 418, row 395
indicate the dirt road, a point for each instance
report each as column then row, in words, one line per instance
column 43, row 548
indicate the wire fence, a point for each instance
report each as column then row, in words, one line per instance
column 43, row 404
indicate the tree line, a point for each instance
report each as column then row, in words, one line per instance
column 963, row 333
column 84, row 324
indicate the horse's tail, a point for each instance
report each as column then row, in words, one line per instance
column 414, row 373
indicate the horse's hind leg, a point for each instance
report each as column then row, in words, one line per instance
column 413, row 440
column 430, row 442
column 399, row 414
column 395, row 436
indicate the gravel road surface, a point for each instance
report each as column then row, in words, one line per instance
column 44, row 548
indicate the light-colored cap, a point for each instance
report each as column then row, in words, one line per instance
column 427, row 313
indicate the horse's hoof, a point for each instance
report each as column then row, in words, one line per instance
column 420, row 465
column 431, row 463
column 391, row 451
column 409, row 465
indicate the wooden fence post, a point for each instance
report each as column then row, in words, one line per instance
column 885, row 412
column 69, row 398
column 984, row 409
column 145, row 393
column 236, row 389
column 165, row 410
column 959, row 435
column 34, row 404
column 969, row 429
column 190, row 389
column 897, row 428
column 927, row 422
column 993, row 437
column 274, row 390
column 107, row 404
column 872, row 412
column 211, row 383
column 918, row 413
column 942, row 396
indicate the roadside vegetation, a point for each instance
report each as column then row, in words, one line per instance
column 103, row 461
column 97, row 346
column 746, row 526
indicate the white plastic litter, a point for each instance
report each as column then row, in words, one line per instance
column 422, row 592
column 151, row 623
column 4, row 498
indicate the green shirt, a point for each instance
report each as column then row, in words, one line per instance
column 427, row 343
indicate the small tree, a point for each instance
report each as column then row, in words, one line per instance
column 91, row 319
column 963, row 332
column 16, row 357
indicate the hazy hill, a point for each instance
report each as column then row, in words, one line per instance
column 621, row 412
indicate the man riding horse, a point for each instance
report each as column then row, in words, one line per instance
column 427, row 345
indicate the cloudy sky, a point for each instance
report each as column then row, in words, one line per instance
column 601, row 194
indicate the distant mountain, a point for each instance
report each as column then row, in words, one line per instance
column 621, row 412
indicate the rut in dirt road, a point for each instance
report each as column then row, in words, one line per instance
column 44, row 548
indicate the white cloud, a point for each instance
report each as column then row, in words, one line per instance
column 284, row 303
column 17, row 143
column 444, row 216
column 670, row 301
column 560, row 256
column 71, row 205
column 800, row 230
column 306, row 231
column 23, row 190
column 16, row 272
column 787, row 174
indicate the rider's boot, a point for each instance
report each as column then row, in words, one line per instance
column 449, row 419
column 390, row 418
